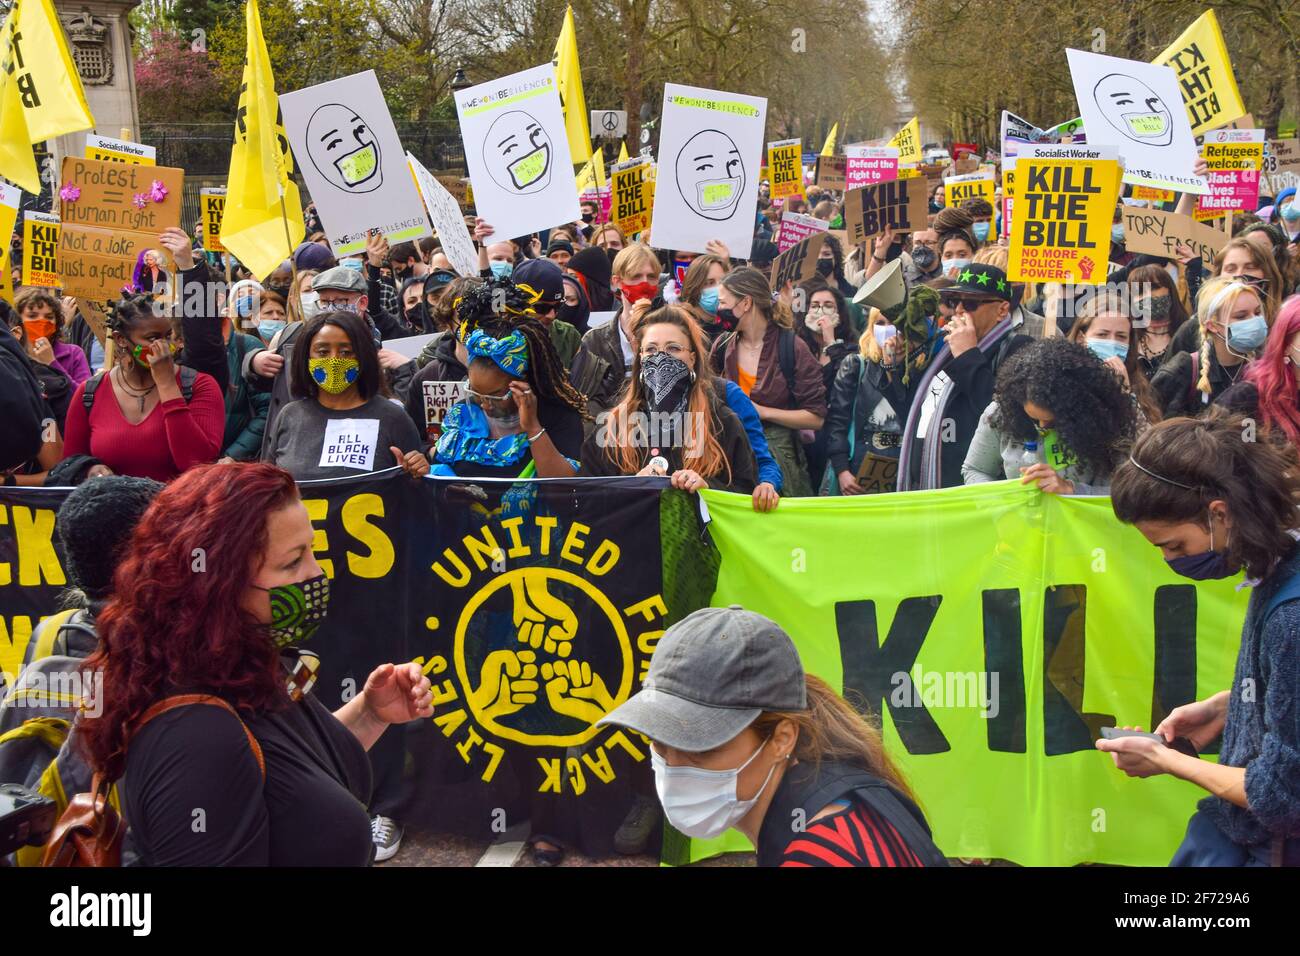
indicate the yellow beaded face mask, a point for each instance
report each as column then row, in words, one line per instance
column 334, row 375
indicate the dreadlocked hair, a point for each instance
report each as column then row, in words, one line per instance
column 499, row 307
column 129, row 310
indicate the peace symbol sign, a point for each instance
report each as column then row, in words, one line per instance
column 609, row 121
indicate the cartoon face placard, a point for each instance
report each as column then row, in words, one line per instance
column 714, row 143
column 347, row 148
column 518, row 152
column 1137, row 108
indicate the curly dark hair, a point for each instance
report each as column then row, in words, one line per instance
column 126, row 312
column 499, row 307
column 1094, row 417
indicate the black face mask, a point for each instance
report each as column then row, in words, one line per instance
column 924, row 258
column 611, row 253
column 825, row 267
column 726, row 319
column 281, row 289
column 587, row 217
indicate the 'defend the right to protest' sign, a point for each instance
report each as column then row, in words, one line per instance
column 1065, row 202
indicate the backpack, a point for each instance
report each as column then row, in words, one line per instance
column 188, row 376
column 90, row 831
column 23, row 409
column 784, row 353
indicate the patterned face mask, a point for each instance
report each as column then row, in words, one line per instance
column 297, row 609
column 334, row 375
column 667, row 382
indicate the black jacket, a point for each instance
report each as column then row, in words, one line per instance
column 443, row 367
column 870, row 419
column 973, row 374
column 1175, row 384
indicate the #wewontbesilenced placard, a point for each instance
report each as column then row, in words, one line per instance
column 111, row 213
column 799, row 262
column 1235, row 158
column 1137, row 108
column 710, row 151
column 785, row 168
column 517, row 150
column 352, row 160
column 1065, row 201
column 899, row 205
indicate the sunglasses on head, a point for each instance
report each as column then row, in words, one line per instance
column 967, row 303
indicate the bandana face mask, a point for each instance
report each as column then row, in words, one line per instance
column 334, row 375
column 297, row 610
column 38, row 329
column 667, row 382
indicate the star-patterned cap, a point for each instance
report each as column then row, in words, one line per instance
column 982, row 280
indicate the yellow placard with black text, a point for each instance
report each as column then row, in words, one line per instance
column 213, row 202
column 1065, row 201
column 632, row 201
column 1200, row 58
column 41, row 250
column 109, row 150
column 785, row 168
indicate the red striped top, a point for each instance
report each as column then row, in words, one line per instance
column 854, row 836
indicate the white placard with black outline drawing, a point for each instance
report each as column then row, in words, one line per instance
column 346, row 147
column 447, row 219
column 517, row 151
column 1137, row 108
column 711, row 150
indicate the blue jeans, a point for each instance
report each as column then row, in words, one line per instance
column 1206, row 845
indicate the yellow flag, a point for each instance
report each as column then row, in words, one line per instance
column 1200, row 59
column 908, row 141
column 16, row 160
column 828, row 148
column 9, row 201
column 263, row 218
column 568, row 78
column 52, row 95
column 622, row 151
column 592, row 174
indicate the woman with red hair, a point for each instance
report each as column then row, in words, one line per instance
column 232, row 590
column 1270, row 392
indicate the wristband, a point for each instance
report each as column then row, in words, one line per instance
column 533, row 438
column 876, row 257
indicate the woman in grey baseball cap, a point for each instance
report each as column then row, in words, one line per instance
column 742, row 738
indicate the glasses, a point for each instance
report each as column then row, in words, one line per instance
column 967, row 305
column 478, row 398
column 822, row 309
column 673, row 349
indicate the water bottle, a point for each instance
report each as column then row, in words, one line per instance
column 1030, row 456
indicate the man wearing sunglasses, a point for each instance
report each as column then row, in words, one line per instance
column 543, row 281
column 980, row 298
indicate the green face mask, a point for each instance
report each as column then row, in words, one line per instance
column 297, row 610
column 334, row 375
column 138, row 351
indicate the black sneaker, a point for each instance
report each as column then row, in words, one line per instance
column 638, row 827
column 387, row 835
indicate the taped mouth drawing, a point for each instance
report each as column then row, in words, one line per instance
column 711, row 174
column 343, row 149
column 1134, row 109
column 517, row 153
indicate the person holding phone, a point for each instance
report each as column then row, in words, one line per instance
column 1216, row 506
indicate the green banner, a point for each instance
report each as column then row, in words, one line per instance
column 995, row 629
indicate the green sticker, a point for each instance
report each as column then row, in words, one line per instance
column 718, row 193
column 528, row 169
column 357, row 167
column 1146, row 124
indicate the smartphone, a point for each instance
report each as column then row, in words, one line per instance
column 1181, row 744
column 884, row 333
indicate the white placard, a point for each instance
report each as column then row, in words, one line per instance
column 710, row 154
column 597, row 319
column 348, row 152
column 517, row 150
column 110, row 145
column 350, row 443
column 1137, row 108
column 448, row 220
column 439, row 397
column 410, row 345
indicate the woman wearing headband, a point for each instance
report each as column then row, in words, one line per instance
column 1234, row 322
column 1216, row 505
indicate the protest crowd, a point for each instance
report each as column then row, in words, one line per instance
column 963, row 316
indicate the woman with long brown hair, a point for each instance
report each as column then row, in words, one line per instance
column 1155, row 299
column 1106, row 325
column 673, row 417
column 742, row 738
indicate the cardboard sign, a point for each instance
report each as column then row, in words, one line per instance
column 119, row 213
column 41, row 250
column 900, row 205
column 633, row 197
column 1199, row 58
column 784, row 165
column 795, row 227
column 1235, row 158
column 448, row 221
column 956, row 189
column 710, row 150
column 1136, row 107
column 213, row 203
column 908, row 142
column 878, row 474
column 1281, row 166
column 868, row 165
column 799, row 262
column 352, row 161
column 832, row 172
column 1064, row 206
column 517, row 149
column 1154, row 232
column 438, row 399
column 108, row 150
column 457, row 187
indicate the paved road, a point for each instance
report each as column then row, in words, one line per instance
column 426, row 848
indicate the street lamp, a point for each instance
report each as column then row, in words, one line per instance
column 460, row 81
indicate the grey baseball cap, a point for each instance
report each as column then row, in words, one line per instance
column 341, row 279
column 713, row 673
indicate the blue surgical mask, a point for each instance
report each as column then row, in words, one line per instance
column 981, row 230
column 268, row 327
column 709, row 300
column 1117, row 233
column 1289, row 211
column 502, row 270
column 244, row 306
column 958, row 264
column 1247, row 335
column 1107, row 349
column 355, row 265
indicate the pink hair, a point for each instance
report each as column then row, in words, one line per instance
column 1275, row 377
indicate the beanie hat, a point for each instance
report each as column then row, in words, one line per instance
column 95, row 524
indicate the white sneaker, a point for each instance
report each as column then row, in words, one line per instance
column 387, row 835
